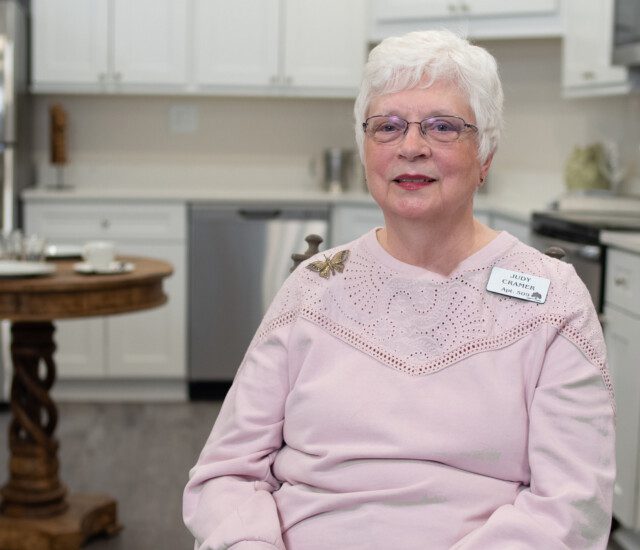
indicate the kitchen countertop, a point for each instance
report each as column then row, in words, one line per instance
column 629, row 241
column 224, row 195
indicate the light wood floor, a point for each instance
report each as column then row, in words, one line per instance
column 138, row 453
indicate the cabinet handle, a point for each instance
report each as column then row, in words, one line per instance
column 453, row 8
column 464, row 8
column 102, row 77
column 620, row 281
column 105, row 223
column 117, row 76
column 274, row 79
column 588, row 75
column 288, row 80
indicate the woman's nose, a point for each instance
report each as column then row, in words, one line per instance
column 414, row 145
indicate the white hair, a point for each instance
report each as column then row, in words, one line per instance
column 401, row 63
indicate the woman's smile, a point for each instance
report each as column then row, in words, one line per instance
column 413, row 182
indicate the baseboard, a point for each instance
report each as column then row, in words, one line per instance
column 208, row 391
column 107, row 390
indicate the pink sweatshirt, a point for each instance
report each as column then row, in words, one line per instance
column 389, row 407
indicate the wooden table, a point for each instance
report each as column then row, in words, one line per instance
column 36, row 511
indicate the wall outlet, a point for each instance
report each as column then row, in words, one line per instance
column 183, row 119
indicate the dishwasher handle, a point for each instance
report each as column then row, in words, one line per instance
column 259, row 214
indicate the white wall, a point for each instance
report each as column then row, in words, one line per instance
column 115, row 140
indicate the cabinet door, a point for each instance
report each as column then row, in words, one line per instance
column 351, row 221
column 623, row 349
column 70, row 41
column 325, row 43
column 443, row 9
column 520, row 230
column 151, row 343
column 236, row 43
column 150, row 38
column 587, row 54
column 80, row 348
column 403, row 9
column 500, row 7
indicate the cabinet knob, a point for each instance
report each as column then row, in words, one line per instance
column 105, row 223
column 453, row 8
column 588, row 75
column 274, row 79
column 464, row 8
column 117, row 76
column 288, row 80
column 620, row 281
column 102, row 77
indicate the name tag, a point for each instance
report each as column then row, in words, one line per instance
column 518, row 285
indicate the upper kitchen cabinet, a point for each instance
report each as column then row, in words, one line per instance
column 285, row 47
column 473, row 18
column 226, row 57
column 586, row 56
column 109, row 45
column 69, row 51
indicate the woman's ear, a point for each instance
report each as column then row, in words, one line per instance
column 484, row 169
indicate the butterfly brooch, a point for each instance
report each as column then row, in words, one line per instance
column 330, row 266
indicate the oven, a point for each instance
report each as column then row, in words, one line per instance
column 578, row 234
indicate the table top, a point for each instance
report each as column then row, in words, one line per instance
column 67, row 294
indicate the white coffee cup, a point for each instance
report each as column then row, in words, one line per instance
column 99, row 254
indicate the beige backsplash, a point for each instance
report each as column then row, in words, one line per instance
column 248, row 142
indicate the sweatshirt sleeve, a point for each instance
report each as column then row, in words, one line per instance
column 568, row 503
column 228, row 502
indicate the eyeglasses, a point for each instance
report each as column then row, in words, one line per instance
column 390, row 129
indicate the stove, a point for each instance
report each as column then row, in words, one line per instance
column 578, row 234
column 582, row 227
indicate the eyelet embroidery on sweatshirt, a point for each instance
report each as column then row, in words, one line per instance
column 420, row 327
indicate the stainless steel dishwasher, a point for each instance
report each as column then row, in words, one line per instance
column 238, row 259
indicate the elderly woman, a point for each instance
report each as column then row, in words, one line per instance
column 433, row 384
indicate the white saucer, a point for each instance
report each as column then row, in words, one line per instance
column 15, row 268
column 61, row 251
column 113, row 269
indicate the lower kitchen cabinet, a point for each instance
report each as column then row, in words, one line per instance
column 622, row 333
column 350, row 221
column 519, row 229
column 623, row 349
column 147, row 346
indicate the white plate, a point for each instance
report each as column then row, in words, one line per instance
column 59, row 251
column 113, row 269
column 15, row 268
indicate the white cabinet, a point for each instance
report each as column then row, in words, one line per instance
column 147, row 345
column 518, row 228
column 69, row 50
column 286, row 47
column 225, row 57
column 622, row 333
column 109, row 45
column 244, row 47
column 483, row 216
column 350, row 221
column 472, row 18
column 445, row 9
column 586, row 52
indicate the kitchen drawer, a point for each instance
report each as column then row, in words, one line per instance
column 80, row 221
column 622, row 287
